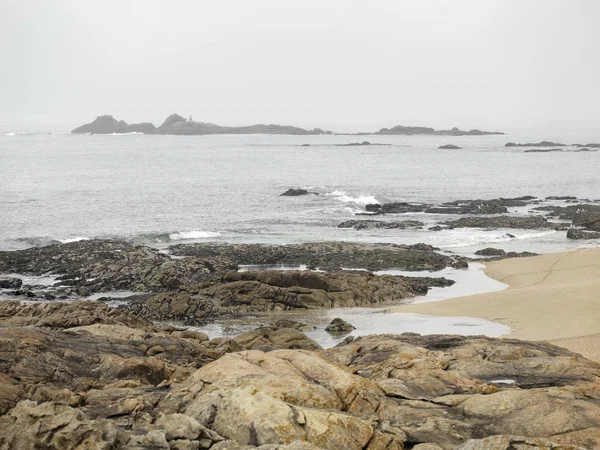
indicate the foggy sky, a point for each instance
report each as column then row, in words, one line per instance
column 338, row 64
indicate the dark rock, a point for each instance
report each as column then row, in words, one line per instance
column 491, row 252
column 373, row 224
column 322, row 255
column 108, row 125
column 563, row 197
column 359, row 144
column 10, row 283
column 410, row 131
column 401, row 207
column 575, row 233
column 526, row 223
column 512, row 236
column 536, row 144
column 339, row 326
column 543, row 150
column 292, row 192
column 587, row 145
column 305, row 145
column 449, row 147
column 373, row 207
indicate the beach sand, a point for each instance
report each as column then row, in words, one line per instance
column 553, row 297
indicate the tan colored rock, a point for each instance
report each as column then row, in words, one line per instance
column 508, row 442
column 112, row 331
column 267, row 338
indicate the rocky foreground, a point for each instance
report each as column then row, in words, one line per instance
column 82, row 375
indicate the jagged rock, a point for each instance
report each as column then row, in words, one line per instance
column 339, row 326
column 108, row 125
column 267, row 339
column 574, row 233
column 286, row 290
column 508, row 442
column 324, row 255
column 372, row 224
column 10, row 283
column 529, row 222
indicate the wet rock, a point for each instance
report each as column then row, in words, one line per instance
column 575, row 233
column 561, row 197
column 449, row 147
column 491, row 252
column 108, row 265
column 401, row 208
column 339, row 326
column 590, row 145
column 295, row 192
column 323, row 255
column 375, row 224
column 287, row 290
column 10, row 283
column 527, row 223
column 542, row 150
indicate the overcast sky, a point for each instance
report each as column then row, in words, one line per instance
column 339, row 64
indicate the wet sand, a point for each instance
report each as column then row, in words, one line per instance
column 554, row 297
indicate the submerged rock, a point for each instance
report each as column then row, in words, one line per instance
column 536, row 144
column 339, row 326
column 449, row 147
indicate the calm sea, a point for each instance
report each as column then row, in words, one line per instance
column 165, row 189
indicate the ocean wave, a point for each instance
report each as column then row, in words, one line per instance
column 361, row 200
column 467, row 237
column 74, row 239
column 181, row 235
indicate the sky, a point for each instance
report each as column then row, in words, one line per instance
column 339, row 64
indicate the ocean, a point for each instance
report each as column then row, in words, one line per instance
column 161, row 190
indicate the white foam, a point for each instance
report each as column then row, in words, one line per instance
column 463, row 237
column 361, row 200
column 10, row 134
column 503, row 381
column 193, row 235
column 75, row 239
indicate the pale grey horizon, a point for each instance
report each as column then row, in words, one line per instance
column 343, row 65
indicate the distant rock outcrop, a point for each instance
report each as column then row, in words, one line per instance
column 410, row 131
column 176, row 124
column 535, row 144
column 108, row 125
column 449, row 147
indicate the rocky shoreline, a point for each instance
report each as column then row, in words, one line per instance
column 82, row 375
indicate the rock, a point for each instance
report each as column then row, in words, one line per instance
column 574, row 233
column 490, row 252
column 287, row 323
column 536, row 144
column 563, row 197
column 508, row 442
column 526, row 223
column 401, row 208
column 542, row 150
column 410, row 131
column 449, row 147
column 339, row 326
column 587, row 145
column 108, row 125
column 323, row 255
column 288, row 290
column 358, row 144
column 267, row 339
column 10, row 283
column 295, row 192
column 373, row 224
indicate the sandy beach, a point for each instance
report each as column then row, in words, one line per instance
column 554, row 297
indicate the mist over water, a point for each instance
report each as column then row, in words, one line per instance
column 173, row 189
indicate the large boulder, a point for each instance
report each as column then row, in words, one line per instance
column 575, row 233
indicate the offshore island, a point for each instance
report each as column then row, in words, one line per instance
column 178, row 125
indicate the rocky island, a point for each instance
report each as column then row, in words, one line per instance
column 178, row 125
